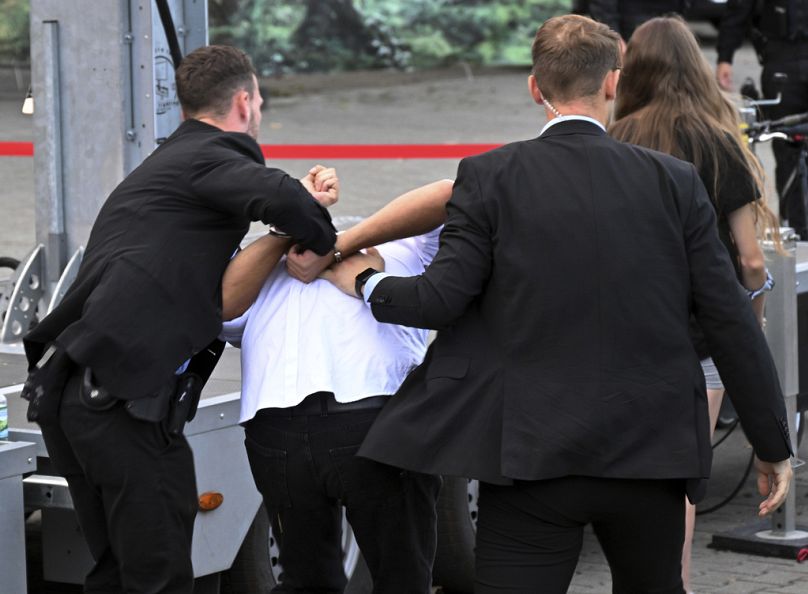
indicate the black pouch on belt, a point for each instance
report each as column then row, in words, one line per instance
column 185, row 402
column 190, row 384
column 155, row 407
column 92, row 395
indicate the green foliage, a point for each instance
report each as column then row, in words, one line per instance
column 283, row 36
column 14, row 37
column 262, row 28
column 482, row 31
column 321, row 35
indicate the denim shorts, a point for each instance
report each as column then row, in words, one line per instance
column 711, row 377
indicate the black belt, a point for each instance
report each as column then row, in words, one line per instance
column 324, row 404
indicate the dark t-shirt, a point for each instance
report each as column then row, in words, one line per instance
column 735, row 189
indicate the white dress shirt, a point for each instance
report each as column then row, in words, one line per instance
column 567, row 118
column 298, row 339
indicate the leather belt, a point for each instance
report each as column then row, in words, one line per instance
column 324, row 404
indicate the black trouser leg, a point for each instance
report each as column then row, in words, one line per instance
column 523, row 545
column 134, row 491
column 306, row 467
column 104, row 575
column 392, row 512
column 643, row 542
column 529, row 535
column 790, row 79
column 306, row 521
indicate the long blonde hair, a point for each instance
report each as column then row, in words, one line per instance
column 668, row 96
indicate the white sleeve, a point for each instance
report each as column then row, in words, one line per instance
column 233, row 330
column 428, row 244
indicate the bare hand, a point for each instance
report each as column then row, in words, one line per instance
column 343, row 275
column 723, row 74
column 322, row 183
column 306, row 266
column 773, row 482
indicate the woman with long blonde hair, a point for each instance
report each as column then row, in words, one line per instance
column 668, row 100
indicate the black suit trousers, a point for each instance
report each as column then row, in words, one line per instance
column 134, row 491
column 529, row 535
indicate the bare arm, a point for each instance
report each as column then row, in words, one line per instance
column 247, row 272
column 413, row 213
column 455, row 277
column 753, row 264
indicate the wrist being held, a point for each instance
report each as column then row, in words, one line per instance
column 344, row 275
column 305, row 265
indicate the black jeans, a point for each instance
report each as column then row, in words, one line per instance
column 529, row 535
column 134, row 491
column 305, row 467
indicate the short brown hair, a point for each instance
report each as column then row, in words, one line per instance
column 571, row 56
column 208, row 77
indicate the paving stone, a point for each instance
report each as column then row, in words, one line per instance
column 739, row 587
column 780, row 578
column 800, row 588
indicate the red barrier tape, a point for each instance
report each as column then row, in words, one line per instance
column 802, row 555
column 374, row 151
column 16, row 149
column 327, row 151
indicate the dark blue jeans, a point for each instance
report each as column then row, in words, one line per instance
column 305, row 467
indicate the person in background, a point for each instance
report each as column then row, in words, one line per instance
column 779, row 31
column 699, row 124
column 624, row 16
column 580, row 7
column 316, row 371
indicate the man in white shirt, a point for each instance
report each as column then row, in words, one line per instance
column 316, row 370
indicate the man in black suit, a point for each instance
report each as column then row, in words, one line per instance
column 563, row 375
column 106, row 362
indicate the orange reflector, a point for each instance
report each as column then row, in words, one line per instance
column 210, row 500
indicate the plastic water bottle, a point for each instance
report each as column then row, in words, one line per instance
column 3, row 417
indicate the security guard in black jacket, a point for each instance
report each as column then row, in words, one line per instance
column 626, row 15
column 779, row 31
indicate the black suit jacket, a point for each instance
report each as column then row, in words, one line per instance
column 148, row 293
column 567, row 271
